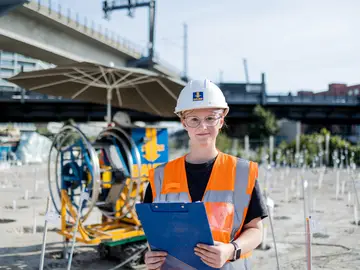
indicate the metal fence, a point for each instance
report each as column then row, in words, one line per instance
column 321, row 100
column 233, row 99
column 250, row 98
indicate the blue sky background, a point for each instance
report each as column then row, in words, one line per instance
column 299, row 45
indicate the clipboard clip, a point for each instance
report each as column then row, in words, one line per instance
column 169, row 207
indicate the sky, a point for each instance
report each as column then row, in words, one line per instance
column 299, row 45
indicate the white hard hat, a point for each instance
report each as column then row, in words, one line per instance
column 122, row 119
column 201, row 94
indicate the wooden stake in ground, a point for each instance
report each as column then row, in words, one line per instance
column 306, row 223
column 356, row 196
column 321, row 177
column 308, row 244
column 41, row 267
column 282, row 176
column 356, row 220
column 14, row 205
column 293, row 186
column 298, row 184
column 34, row 220
column 264, row 237
column 309, row 198
column 337, row 184
column 343, row 187
column 287, row 171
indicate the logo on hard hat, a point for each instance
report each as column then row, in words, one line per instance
column 197, row 96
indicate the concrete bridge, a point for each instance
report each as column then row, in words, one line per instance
column 59, row 36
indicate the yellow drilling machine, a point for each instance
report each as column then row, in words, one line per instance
column 94, row 186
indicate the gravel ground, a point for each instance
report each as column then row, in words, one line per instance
column 335, row 242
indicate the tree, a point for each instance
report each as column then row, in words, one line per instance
column 265, row 124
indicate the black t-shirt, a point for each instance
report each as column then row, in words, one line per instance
column 198, row 176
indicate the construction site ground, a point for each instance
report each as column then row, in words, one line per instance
column 335, row 242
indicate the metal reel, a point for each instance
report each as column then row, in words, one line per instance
column 129, row 192
column 73, row 166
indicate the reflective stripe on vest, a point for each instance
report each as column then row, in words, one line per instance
column 226, row 197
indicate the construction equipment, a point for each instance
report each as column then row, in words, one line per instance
column 111, row 171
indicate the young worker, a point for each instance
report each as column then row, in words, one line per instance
column 226, row 184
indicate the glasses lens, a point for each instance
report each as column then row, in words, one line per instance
column 211, row 120
column 192, row 121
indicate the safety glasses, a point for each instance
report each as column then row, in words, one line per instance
column 210, row 120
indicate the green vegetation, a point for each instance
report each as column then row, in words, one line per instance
column 265, row 124
column 314, row 143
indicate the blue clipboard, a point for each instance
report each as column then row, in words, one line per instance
column 176, row 228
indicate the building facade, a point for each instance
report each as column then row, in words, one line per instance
column 12, row 63
column 351, row 133
column 335, row 89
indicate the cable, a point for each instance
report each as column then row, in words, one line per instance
column 128, row 259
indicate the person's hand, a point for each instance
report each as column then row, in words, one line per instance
column 216, row 255
column 154, row 259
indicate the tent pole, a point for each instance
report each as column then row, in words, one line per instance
column 108, row 116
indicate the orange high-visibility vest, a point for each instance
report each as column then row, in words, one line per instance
column 226, row 197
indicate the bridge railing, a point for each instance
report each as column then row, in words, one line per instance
column 72, row 19
column 233, row 98
column 88, row 27
column 313, row 100
column 253, row 98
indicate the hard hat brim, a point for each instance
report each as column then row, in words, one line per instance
column 179, row 111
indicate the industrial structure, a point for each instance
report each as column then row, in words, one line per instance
column 13, row 63
column 61, row 36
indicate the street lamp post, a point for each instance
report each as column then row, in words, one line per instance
column 130, row 5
